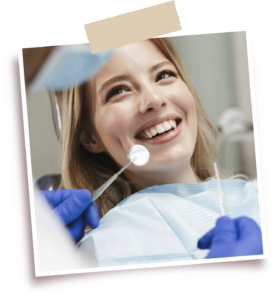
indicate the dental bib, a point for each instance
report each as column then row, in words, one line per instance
column 163, row 223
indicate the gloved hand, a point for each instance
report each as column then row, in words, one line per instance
column 238, row 237
column 72, row 206
column 58, row 60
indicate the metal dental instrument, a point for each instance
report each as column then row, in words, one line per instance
column 222, row 201
column 138, row 155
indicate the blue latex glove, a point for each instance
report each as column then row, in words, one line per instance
column 238, row 237
column 67, row 66
column 72, row 206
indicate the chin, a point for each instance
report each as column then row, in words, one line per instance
column 174, row 159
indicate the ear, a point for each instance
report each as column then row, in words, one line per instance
column 91, row 143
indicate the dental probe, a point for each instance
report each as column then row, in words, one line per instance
column 222, row 201
column 138, row 155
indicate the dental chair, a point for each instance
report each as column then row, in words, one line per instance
column 48, row 182
column 52, row 181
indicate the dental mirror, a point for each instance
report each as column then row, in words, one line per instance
column 138, row 155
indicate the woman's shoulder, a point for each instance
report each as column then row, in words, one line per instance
column 239, row 185
column 233, row 185
column 253, row 184
column 236, row 190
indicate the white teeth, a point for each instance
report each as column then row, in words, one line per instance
column 149, row 134
column 173, row 123
column 166, row 125
column 153, row 131
column 160, row 128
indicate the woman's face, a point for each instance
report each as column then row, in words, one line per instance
column 141, row 99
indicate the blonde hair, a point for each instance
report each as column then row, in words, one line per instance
column 82, row 169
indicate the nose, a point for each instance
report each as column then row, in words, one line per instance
column 151, row 99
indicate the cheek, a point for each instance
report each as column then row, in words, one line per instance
column 191, row 113
column 112, row 123
column 183, row 99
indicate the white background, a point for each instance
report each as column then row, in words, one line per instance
column 128, row 280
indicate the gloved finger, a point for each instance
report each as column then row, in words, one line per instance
column 225, row 231
column 205, row 241
column 91, row 215
column 72, row 207
column 77, row 229
column 50, row 197
column 56, row 197
column 250, row 232
column 247, row 227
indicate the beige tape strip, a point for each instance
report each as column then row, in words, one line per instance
column 132, row 27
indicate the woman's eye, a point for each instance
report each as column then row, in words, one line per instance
column 115, row 91
column 165, row 74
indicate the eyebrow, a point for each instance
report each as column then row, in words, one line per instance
column 113, row 80
column 127, row 77
column 159, row 65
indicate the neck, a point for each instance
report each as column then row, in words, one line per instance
column 144, row 179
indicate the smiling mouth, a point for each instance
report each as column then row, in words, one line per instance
column 159, row 129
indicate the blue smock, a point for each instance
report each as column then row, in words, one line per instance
column 163, row 223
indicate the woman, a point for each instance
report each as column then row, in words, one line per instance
column 143, row 96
